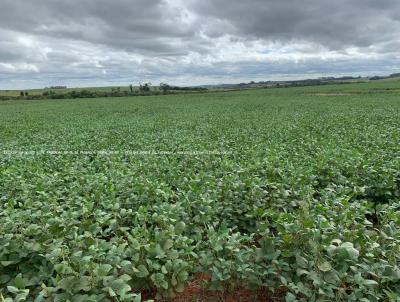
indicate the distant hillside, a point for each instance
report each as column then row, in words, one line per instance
column 306, row 82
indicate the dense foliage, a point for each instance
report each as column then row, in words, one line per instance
column 304, row 195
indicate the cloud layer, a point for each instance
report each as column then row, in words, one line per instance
column 189, row 42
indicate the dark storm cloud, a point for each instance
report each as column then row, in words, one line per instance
column 150, row 25
column 155, row 25
column 336, row 23
column 189, row 41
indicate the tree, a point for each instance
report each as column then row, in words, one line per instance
column 21, row 93
column 131, row 88
column 165, row 88
column 145, row 87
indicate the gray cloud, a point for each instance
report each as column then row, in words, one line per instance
column 337, row 23
column 150, row 25
column 95, row 42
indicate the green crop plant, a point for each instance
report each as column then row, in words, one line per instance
column 293, row 189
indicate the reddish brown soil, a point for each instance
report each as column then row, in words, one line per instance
column 197, row 291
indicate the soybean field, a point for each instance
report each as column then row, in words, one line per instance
column 292, row 191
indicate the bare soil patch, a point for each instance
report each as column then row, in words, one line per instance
column 197, row 291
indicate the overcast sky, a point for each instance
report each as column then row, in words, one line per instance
column 191, row 42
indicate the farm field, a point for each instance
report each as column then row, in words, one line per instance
column 292, row 190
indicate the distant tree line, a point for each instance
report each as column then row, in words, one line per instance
column 285, row 84
column 145, row 89
column 376, row 78
column 57, row 87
